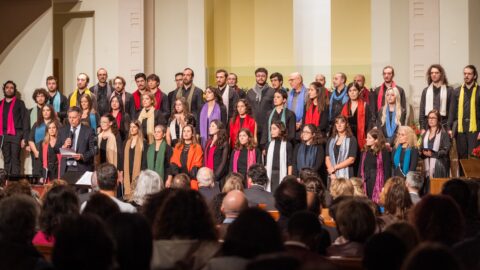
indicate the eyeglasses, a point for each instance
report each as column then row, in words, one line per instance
column 433, row 118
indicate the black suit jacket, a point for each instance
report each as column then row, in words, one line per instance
column 85, row 146
column 256, row 195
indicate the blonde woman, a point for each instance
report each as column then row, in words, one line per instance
column 341, row 187
column 391, row 116
column 149, row 117
column 405, row 153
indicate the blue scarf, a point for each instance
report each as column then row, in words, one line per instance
column 56, row 102
column 406, row 159
column 306, row 156
column 93, row 122
column 300, row 103
column 40, row 133
column 391, row 126
column 342, row 155
column 282, row 118
column 335, row 96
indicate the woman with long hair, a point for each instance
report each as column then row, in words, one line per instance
column 310, row 152
column 397, row 204
column 245, row 153
column 48, row 158
column 37, row 134
column 405, row 153
column 435, row 148
column 358, row 114
column 135, row 159
column 317, row 107
column 279, row 157
column 149, row 117
column 110, row 147
column 187, row 156
column 89, row 115
column 375, row 164
column 213, row 109
column 180, row 117
column 391, row 116
column 242, row 118
column 121, row 117
column 159, row 154
column 217, row 150
column 341, row 150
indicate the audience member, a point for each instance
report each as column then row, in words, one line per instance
column 154, row 201
column 468, row 251
column 306, row 237
column 430, row 256
column 206, row 184
column 133, row 241
column 233, row 203
column 397, row 204
column 341, row 187
column 273, row 262
column 83, row 242
column 233, row 181
column 148, row 182
column 438, row 218
column 290, row 197
column 357, row 184
column 256, row 194
column 59, row 203
column 384, row 251
column 414, row 183
column 101, row 206
column 405, row 232
column 316, row 194
column 181, row 181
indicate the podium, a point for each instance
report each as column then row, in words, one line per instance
column 471, row 167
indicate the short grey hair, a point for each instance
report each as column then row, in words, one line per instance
column 148, row 182
column 414, row 180
column 205, row 177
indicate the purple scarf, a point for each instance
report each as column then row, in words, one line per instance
column 379, row 178
column 205, row 121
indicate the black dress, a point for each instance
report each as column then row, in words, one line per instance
column 370, row 169
column 318, row 162
column 220, row 159
column 242, row 162
column 36, row 163
column 52, row 162
column 103, row 151
column 143, row 163
column 275, row 176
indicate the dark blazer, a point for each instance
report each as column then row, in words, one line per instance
column 232, row 99
column 62, row 114
column 257, row 194
column 261, row 107
column 85, row 146
column 422, row 119
column 208, row 193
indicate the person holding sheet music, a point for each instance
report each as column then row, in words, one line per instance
column 49, row 159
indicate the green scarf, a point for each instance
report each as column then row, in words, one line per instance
column 158, row 166
column 282, row 118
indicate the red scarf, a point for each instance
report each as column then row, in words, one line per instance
column 45, row 160
column 360, row 120
column 209, row 162
column 136, row 99
column 312, row 116
column 248, row 122
column 364, row 95
column 380, row 95
column 158, row 97
column 119, row 119
column 10, row 123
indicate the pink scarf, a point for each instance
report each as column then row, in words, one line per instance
column 10, row 123
column 251, row 159
column 380, row 95
column 377, row 188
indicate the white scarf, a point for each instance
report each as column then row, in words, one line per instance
column 430, row 161
column 173, row 132
column 225, row 97
column 443, row 100
column 283, row 162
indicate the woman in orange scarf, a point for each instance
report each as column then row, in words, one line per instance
column 187, row 155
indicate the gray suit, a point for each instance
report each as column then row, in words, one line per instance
column 258, row 195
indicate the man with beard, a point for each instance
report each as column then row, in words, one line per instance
column 364, row 94
column 296, row 101
column 229, row 95
column 437, row 95
column 161, row 100
column 338, row 97
column 191, row 93
column 232, row 81
column 13, row 128
column 465, row 110
column 40, row 98
column 102, row 91
column 173, row 93
column 124, row 96
column 141, row 81
column 56, row 99
column 388, row 74
column 82, row 88
column 260, row 98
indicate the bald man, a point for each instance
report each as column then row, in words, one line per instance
column 320, row 78
column 102, row 91
column 233, row 203
column 296, row 99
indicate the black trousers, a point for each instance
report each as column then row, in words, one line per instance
column 11, row 157
column 466, row 141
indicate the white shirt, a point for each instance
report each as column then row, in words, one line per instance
column 124, row 207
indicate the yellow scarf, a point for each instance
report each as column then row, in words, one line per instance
column 473, row 112
column 150, row 116
column 130, row 183
column 73, row 98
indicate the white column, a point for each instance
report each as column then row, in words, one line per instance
column 312, row 38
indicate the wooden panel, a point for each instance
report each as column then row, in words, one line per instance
column 436, row 185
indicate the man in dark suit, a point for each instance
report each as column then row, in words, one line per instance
column 80, row 139
column 257, row 195
column 206, row 184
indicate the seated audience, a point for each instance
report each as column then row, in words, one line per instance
column 101, row 206
column 306, row 238
column 273, row 262
column 133, row 241
column 153, row 202
column 414, row 183
column 148, row 182
column 431, row 256
column 397, row 204
column 357, row 184
column 233, row 181
column 181, row 181
column 206, row 184
column 256, row 194
column 18, row 215
column 384, row 251
column 315, row 194
column 290, row 197
column 355, row 223
column 233, row 203
column 341, row 187
column 438, row 218
column 183, row 232
column 468, row 251
column 83, row 242
column 59, row 203
column 405, row 232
